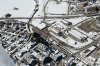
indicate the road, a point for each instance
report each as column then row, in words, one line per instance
column 42, row 17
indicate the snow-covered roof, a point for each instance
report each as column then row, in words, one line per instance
column 39, row 24
column 91, row 59
column 80, row 64
column 92, row 48
column 53, row 29
column 71, row 42
column 98, row 61
column 59, row 24
column 77, row 34
column 35, row 54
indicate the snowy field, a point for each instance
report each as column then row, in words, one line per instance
column 5, row 60
column 54, row 8
column 77, row 20
column 25, row 7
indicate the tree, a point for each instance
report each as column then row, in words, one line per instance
column 15, row 8
column 96, row 9
column 8, row 15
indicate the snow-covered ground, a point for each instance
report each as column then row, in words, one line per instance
column 77, row 20
column 25, row 7
column 5, row 60
column 40, row 12
column 54, row 8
